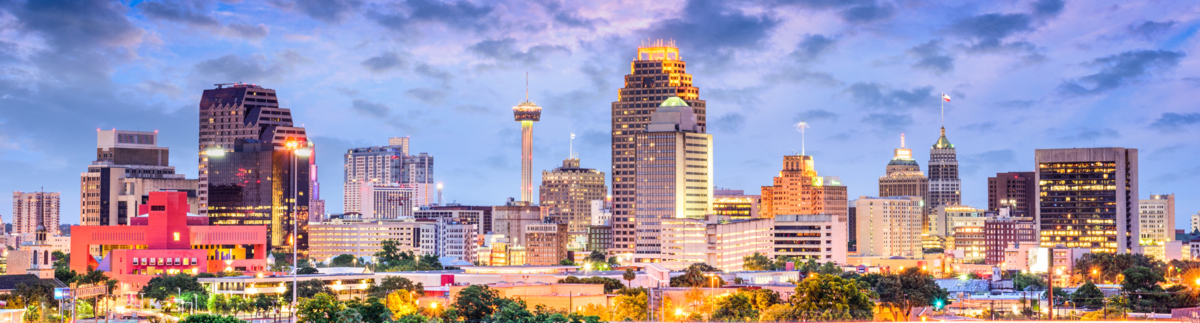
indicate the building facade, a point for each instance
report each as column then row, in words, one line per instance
column 1156, row 216
column 386, row 166
column 945, row 188
column 798, row 190
column 820, row 237
column 657, row 73
column 28, row 206
column 966, row 231
column 1088, row 198
column 1015, row 189
column 599, row 238
column 484, row 214
column 362, row 238
column 1002, row 231
column 128, row 166
column 723, row 244
column 889, row 226
column 568, row 193
column 674, row 174
column 904, row 178
column 386, row 201
column 511, row 220
column 545, row 243
column 254, row 184
column 736, row 204
column 239, row 111
column 168, row 241
column 458, row 240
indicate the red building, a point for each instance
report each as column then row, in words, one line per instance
column 165, row 239
column 1000, row 232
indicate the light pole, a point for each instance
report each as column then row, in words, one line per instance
column 297, row 152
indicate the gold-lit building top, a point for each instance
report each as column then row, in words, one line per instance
column 659, row 50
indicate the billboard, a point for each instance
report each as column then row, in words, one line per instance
column 1039, row 260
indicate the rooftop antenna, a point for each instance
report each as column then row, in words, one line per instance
column 526, row 86
column 800, row 127
column 902, row 140
column 573, row 155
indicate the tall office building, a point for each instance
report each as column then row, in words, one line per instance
column 252, row 162
column 889, row 226
column 1013, row 189
column 657, row 73
column 1088, row 198
column 28, row 206
column 944, row 184
column 568, row 192
column 1156, row 216
column 387, row 165
column 904, row 178
column 386, row 201
column 821, row 237
column 128, row 166
column 239, row 111
column 527, row 113
column 799, row 191
column 674, row 163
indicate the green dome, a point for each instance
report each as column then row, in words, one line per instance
column 673, row 102
column 942, row 142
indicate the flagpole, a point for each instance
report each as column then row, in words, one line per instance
column 943, row 100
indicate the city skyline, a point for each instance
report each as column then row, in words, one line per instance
column 1047, row 76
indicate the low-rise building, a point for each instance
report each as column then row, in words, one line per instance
column 1002, row 231
column 545, row 243
column 346, row 286
column 820, row 237
column 720, row 244
column 362, row 238
column 168, row 240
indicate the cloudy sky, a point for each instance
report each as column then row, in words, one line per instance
column 1023, row 75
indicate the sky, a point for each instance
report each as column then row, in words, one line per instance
column 1022, row 75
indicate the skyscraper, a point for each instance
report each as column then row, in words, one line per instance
column 239, row 111
column 568, row 192
column 1157, row 219
column 657, row 73
column 1088, row 198
column 904, row 178
column 527, row 113
column 674, row 163
column 387, row 165
column 128, row 166
column 28, row 207
column 254, row 165
column 799, row 191
column 1015, row 189
column 944, row 184
column 889, row 226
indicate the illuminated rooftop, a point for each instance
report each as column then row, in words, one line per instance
column 527, row 111
column 659, row 50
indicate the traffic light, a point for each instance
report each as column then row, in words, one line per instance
column 938, row 304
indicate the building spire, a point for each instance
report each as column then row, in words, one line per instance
column 800, row 127
column 901, row 140
column 527, row 87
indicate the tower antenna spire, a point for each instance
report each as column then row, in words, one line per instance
column 573, row 147
column 527, row 87
column 902, row 140
column 801, row 126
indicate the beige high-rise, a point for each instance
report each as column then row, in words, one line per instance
column 904, row 178
column 657, row 73
column 889, row 226
column 798, row 190
column 568, row 192
column 27, row 207
column 674, row 174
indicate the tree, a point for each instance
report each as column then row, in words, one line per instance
column 349, row 315
column 1060, row 297
column 610, row 284
column 390, row 258
column 829, row 297
column 631, row 307
column 612, row 262
column 757, row 262
column 1023, row 281
column 830, row 268
column 778, row 313
column 264, row 304
column 596, row 256
column 209, row 318
column 599, row 311
column 390, row 284
column 735, row 307
column 907, row 289
column 629, row 275
column 695, row 276
column 307, row 271
column 218, row 304
column 308, row 288
column 763, row 298
column 1107, row 267
column 237, row 304
column 401, row 303
column 161, row 288
column 1088, row 296
column 567, row 262
column 476, row 303
column 371, row 310
column 1143, row 282
column 343, row 260
column 320, row 308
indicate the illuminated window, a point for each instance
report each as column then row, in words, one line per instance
column 176, row 236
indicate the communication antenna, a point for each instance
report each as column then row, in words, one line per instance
column 573, row 155
column 801, row 126
column 526, row 86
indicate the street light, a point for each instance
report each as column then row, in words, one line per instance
column 294, row 145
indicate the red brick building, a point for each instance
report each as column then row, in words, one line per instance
column 165, row 239
column 1000, row 232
